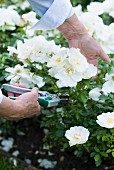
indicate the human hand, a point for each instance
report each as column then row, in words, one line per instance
column 89, row 48
column 24, row 106
column 77, row 37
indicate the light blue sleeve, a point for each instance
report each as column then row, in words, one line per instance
column 1, row 96
column 53, row 13
column 40, row 6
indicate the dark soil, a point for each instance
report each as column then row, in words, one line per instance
column 32, row 142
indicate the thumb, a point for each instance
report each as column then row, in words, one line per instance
column 104, row 56
column 34, row 92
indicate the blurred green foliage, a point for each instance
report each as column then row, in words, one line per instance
column 84, row 3
column 2, row 1
column 5, row 164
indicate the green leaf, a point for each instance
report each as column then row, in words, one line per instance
column 108, row 151
column 103, row 97
column 83, row 98
column 104, row 138
column 92, row 154
column 97, row 157
column 113, row 154
column 96, row 149
column 98, row 160
column 104, row 154
column 98, row 163
column 59, row 133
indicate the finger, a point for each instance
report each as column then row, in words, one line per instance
column 104, row 56
column 10, row 94
column 36, row 112
column 34, row 92
column 93, row 61
column 38, row 108
column 17, row 95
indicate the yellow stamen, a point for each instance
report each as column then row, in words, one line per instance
column 110, row 120
column 77, row 136
column 18, row 71
column 112, row 77
column 69, row 70
column 58, row 60
column 76, row 62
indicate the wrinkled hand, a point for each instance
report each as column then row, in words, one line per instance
column 77, row 37
column 24, row 106
column 28, row 103
column 89, row 48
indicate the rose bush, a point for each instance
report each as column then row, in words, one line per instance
column 35, row 61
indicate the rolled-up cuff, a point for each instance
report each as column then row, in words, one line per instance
column 59, row 11
column 1, row 96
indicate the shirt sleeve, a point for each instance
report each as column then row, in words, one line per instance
column 1, row 96
column 53, row 13
column 40, row 6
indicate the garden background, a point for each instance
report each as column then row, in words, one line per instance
column 40, row 142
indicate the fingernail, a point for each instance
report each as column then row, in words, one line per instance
column 108, row 60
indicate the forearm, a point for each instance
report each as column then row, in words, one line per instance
column 72, row 28
column 7, row 107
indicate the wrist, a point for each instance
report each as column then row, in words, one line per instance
column 72, row 28
column 8, row 108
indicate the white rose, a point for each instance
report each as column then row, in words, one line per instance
column 91, row 21
column 30, row 18
column 78, row 10
column 9, row 18
column 96, row 8
column 77, row 135
column 95, row 93
column 108, row 87
column 108, row 5
column 90, row 72
column 106, row 120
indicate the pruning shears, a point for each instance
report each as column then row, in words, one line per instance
column 45, row 98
